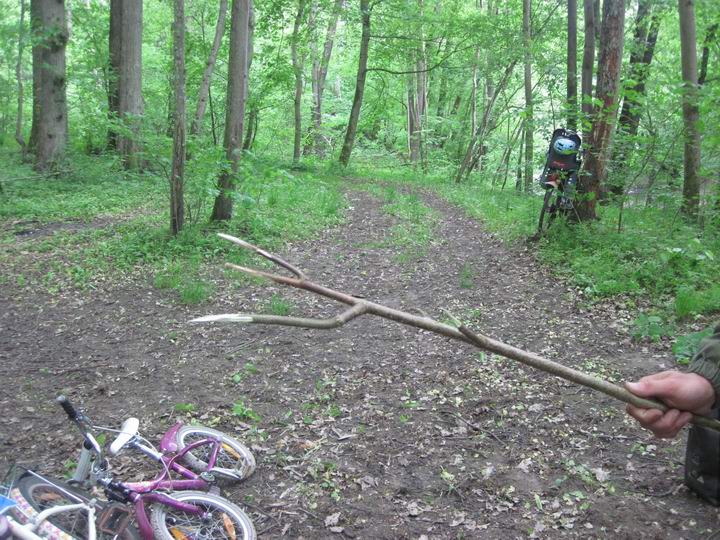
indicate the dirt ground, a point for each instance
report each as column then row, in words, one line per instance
column 374, row 429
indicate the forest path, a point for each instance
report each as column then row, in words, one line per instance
column 374, row 429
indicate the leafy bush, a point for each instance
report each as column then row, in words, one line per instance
column 686, row 346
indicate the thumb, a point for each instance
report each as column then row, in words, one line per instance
column 656, row 385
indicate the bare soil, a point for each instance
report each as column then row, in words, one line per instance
column 371, row 430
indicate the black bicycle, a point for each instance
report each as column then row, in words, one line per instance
column 559, row 177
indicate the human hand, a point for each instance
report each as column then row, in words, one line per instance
column 684, row 393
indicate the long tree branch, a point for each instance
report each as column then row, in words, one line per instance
column 360, row 306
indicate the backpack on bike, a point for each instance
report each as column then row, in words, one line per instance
column 564, row 151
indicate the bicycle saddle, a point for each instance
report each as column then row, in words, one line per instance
column 128, row 430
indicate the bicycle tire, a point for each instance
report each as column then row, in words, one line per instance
column 546, row 209
column 242, row 463
column 224, row 517
column 33, row 495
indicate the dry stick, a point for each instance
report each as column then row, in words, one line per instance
column 360, row 306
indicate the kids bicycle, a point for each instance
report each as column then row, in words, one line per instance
column 152, row 509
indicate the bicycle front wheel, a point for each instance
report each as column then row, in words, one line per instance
column 222, row 519
column 234, row 459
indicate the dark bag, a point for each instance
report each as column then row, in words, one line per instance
column 702, row 462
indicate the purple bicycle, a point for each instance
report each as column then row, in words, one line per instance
column 154, row 509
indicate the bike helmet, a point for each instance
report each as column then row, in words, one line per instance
column 565, row 146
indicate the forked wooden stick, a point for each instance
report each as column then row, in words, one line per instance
column 360, row 306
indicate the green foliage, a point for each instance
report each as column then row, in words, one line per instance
column 244, row 412
column 689, row 301
column 185, row 407
column 686, row 346
column 277, row 305
column 651, row 327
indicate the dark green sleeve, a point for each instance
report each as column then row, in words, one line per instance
column 706, row 361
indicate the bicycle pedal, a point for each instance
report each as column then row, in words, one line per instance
column 114, row 519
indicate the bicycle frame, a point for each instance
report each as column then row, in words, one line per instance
column 142, row 493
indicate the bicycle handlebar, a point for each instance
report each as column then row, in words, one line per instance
column 68, row 408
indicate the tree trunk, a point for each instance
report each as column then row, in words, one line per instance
column 128, row 73
column 177, row 177
column 319, row 76
column 359, row 85
column 114, row 61
column 609, row 63
column 529, row 127
column 572, row 65
column 209, row 67
column 691, row 113
column 50, row 117
column 587, row 64
column 644, row 40
column 710, row 38
column 298, row 63
column 18, row 74
column 645, row 36
column 235, row 108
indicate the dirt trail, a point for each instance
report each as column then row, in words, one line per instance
column 372, row 430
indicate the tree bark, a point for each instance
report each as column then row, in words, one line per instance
column 529, row 127
column 50, row 117
column 611, row 47
column 209, row 67
column 126, row 66
column 351, row 130
column 235, row 108
column 177, row 177
column 691, row 113
column 298, row 63
column 18, row 74
column 572, row 65
column 114, row 62
column 587, row 64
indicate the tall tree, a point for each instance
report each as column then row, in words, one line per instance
column 204, row 91
column 572, row 65
column 177, row 176
column 529, row 127
column 235, row 109
column 125, row 91
column 319, row 75
column 298, row 63
column 691, row 112
column 588, row 63
column 647, row 25
column 710, row 37
column 18, row 74
column 348, row 143
column 608, row 76
column 50, row 36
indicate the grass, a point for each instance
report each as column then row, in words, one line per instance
column 416, row 221
column 271, row 206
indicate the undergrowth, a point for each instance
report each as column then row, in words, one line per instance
column 271, row 206
column 656, row 260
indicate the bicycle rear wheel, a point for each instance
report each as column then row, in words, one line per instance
column 233, row 457
column 222, row 519
column 33, row 495
column 548, row 211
